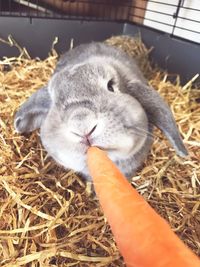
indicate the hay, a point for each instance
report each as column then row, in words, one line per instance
column 48, row 216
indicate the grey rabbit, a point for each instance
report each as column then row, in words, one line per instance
column 97, row 96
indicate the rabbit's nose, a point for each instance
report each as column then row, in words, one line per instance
column 87, row 134
column 91, row 131
column 86, row 138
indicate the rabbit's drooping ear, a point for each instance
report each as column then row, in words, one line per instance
column 31, row 114
column 158, row 114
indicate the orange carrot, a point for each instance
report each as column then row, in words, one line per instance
column 143, row 237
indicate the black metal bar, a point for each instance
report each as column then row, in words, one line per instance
column 154, row 11
column 189, row 30
column 156, row 2
column 153, row 20
column 187, row 19
column 166, row 14
column 180, row 3
column 175, row 15
column 167, row 24
column 166, row 4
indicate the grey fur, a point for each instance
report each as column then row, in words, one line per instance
column 76, row 102
column 31, row 114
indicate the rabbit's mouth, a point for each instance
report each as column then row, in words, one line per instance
column 86, row 142
column 107, row 149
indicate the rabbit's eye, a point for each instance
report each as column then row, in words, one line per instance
column 110, row 86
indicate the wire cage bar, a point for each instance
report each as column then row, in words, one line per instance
column 176, row 17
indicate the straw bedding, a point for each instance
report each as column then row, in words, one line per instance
column 49, row 216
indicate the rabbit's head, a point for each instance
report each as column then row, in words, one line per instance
column 94, row 103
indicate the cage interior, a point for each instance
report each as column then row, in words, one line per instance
column 171, row 27
column 170, row 184
column 178, row 18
